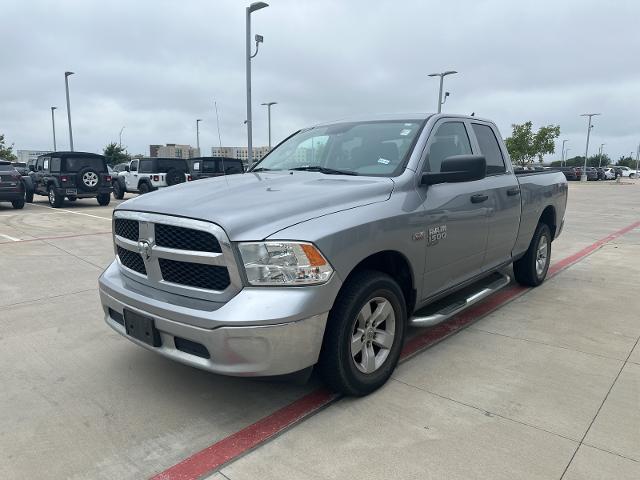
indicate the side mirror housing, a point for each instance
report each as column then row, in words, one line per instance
column 32, row 168
column 126, row 168
column 458, row 168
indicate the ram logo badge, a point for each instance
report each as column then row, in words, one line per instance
column 436, row 234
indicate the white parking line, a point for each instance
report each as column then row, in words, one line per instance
column 63, row 210
column 13, row 239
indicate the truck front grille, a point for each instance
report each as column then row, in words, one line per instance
column 186, row 239
column 179, row 255
column 128, row 229
column 210, row 277
column 132, row 260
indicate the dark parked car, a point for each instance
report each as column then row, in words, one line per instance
column 72, row 175
column 570, row 173
column 206, row 167
column 592, row 174
column 11, row 185
column 601, row 174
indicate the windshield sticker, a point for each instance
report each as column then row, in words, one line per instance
column 405, row 132
column 384, row 161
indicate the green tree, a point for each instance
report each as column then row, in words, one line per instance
column 6, row 151
column 627, row 162
column 525, row 145
column 116, row 154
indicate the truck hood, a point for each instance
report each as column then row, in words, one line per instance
column 252, row 206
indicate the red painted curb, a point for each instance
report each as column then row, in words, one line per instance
column 215, row 456
column 221, row 452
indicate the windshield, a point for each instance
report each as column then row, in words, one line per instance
column 75, row 164
column 361, row 148
column 6, row 168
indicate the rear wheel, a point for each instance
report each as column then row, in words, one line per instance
column 364, row 334
column 531, row 270
column 104, row 199
column 29, row 197
column 144, row 188
column 55, row 200
column 18, row 204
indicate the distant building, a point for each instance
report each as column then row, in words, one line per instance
column 239, row 152
column 173, row 150
column 26, row 155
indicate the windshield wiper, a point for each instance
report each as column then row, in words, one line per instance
column 328, row 171
column 260, row 169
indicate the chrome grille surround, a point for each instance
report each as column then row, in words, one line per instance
column 153, row 278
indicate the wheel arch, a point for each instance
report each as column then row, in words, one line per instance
column 549, row 218
column 397, row 266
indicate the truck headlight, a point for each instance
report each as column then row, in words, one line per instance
column 284, row 263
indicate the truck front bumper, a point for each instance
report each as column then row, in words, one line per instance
column 286, row 335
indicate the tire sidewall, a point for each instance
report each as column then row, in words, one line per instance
column 144, row 188
column 117, row 191
column 541, row 231
column 379, row 285
column 84, row 186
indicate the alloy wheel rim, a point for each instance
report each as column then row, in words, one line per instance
column 372, row 335
column 52, row 196
column 90, row 179
column 541, row 255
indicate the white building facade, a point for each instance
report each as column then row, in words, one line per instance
column 239, row 152
column 26, row 155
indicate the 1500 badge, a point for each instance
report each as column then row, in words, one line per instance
column 436, row 234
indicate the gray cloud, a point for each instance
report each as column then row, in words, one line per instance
column 156, row 66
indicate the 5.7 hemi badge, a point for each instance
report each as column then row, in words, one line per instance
column 436, row 234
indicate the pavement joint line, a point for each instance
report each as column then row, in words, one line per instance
column 64, row 210
column 484, row 410
column 17, row 304
column 553, row 345
column 43, row 239
column 599, row 409
column 609, row 451
column 221, row 453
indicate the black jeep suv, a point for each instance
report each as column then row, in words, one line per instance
column 72, row 175
column 11, row 186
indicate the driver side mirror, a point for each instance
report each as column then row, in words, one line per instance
column 458, row 168
column 126, row 168
column 32, row 168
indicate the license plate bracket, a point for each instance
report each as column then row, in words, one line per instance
column 142, row 328
column 71, row 191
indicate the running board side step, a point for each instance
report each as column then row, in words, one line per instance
column 458, row 301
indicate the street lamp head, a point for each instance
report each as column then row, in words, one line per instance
column 257, row 6
column 589, row 114
column 449, row 72
column 267, row 104
column 66, row 74
column 54, row 108
column 198, row 120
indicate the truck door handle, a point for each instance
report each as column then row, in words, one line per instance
column 513, row 191
column 479, row 198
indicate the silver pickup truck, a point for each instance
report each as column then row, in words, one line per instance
column 329, row 248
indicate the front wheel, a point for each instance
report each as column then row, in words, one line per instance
column 104, row 199
column 531, row 270
column 18, row 204
column 364, row 334
column 55, row 200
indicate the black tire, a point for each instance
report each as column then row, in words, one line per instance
column 144, row 187
column 28, row 197
column 174, row 177
column 72, row 198
column 88, row 179
column 526, row 269
column 55, row 200
column 118, row 190
column 18, row 204
column 337, row 365
column 104, row 199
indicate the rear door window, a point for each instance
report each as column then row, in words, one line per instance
column 490, row 149
column 55, row 164
column 166, row 164
column 210, row 166
column 75, row 164
column 146, row 166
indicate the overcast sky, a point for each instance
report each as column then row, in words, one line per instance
column 154, row 66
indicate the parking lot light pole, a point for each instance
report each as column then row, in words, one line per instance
column 268, row 105
column 562, row 154
column 250, row 9
column 600, row 155
column 66, row 86
column 637, row 160
column 53, row 126
column 120, row 138
column 441, row 75
column 583, row 177
column 198, row 120
column 566, row 156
